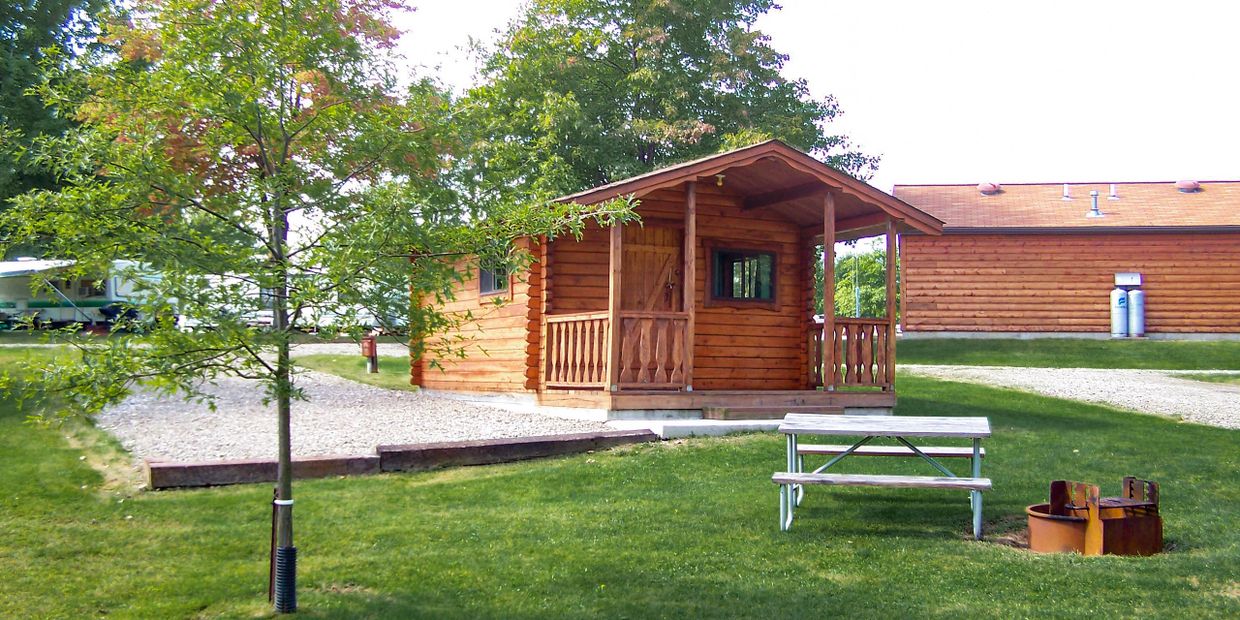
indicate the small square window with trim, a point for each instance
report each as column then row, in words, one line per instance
column 742, row 275
column 492, row 280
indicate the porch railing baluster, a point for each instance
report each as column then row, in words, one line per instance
column 860, row 358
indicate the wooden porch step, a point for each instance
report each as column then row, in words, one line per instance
column 765, row 413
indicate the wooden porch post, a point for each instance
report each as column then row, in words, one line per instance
column 828, row 292
column 890, row 379
column 544, row 306
column 689, row 278
column 806, row 256
column 616, row 260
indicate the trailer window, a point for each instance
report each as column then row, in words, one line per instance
column 89, row 288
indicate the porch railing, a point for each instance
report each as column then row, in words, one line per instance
column 577, row 350
column 653, row 354
column 860, row 358
column 652, row 349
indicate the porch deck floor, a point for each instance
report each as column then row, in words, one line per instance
column 655, row 400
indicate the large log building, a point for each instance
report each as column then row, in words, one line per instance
column 1037, row 259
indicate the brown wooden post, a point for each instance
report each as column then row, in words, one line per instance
column 828, row 291
column 416, row 352
column 616, row 260
column 805, row 273
column 903, row 281
column 544, row 306
column 415, row 342
column 689, row 278
column 890, row 378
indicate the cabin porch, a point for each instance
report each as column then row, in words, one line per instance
column 639, row 346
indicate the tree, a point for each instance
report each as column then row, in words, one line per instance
column 257, row 156
column 864, row 275
column 580, row 93
column 28, row 29
column 856, row 272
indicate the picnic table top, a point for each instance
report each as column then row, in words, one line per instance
column 884, row 425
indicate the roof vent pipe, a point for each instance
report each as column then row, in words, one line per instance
column 1187, row 187
column 1094, row 211
column 1067, row 194
column 1114, row 194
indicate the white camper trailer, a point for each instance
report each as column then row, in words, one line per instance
column 67, row 300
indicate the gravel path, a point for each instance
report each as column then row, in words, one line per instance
column 1158, row 392
column 386, row 348
column 342, row 417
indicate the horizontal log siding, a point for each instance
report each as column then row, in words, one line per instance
column 1061, row 283
column 580, row 267
column 739, row 348
column 501, row 343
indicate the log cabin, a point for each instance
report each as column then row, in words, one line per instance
column 1038, row 260
column 705, row 306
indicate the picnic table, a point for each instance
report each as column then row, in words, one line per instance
column 903, row 429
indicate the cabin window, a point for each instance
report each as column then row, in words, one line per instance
column 739, row 275
column 492, row 280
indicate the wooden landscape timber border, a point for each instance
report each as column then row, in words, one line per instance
column 419, row 457
column 169, row 474
column 388, row 458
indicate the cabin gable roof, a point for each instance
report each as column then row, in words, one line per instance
column 773, row 175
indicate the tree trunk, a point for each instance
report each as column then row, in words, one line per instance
column 286, row 553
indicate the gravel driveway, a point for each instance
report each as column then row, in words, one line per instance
column 1158, row 392
column 342, row 417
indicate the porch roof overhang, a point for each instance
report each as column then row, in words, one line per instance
column 774, row 176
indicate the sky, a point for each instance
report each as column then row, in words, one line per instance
column 971, row 92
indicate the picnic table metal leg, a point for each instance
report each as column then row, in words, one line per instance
column 976, row 496
column 840, row 456
column 788, row 492
column 800, row 468
column 786, row 505
column 946, row 472
column 795, row 464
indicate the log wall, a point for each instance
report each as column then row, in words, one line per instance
column 1062, row 283
column 501, row 342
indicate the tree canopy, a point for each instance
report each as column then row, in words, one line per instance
column 29, row 29
column 579, row 93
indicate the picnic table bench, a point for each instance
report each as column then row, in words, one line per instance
column 901, row 428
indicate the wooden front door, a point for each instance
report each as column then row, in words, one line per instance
column 652, row 267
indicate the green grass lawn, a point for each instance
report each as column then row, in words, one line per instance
column 15, row 354
column 1218, row 377
column 393, row 370
column 1073, row 353
column 21, row 337
column 678, row 529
